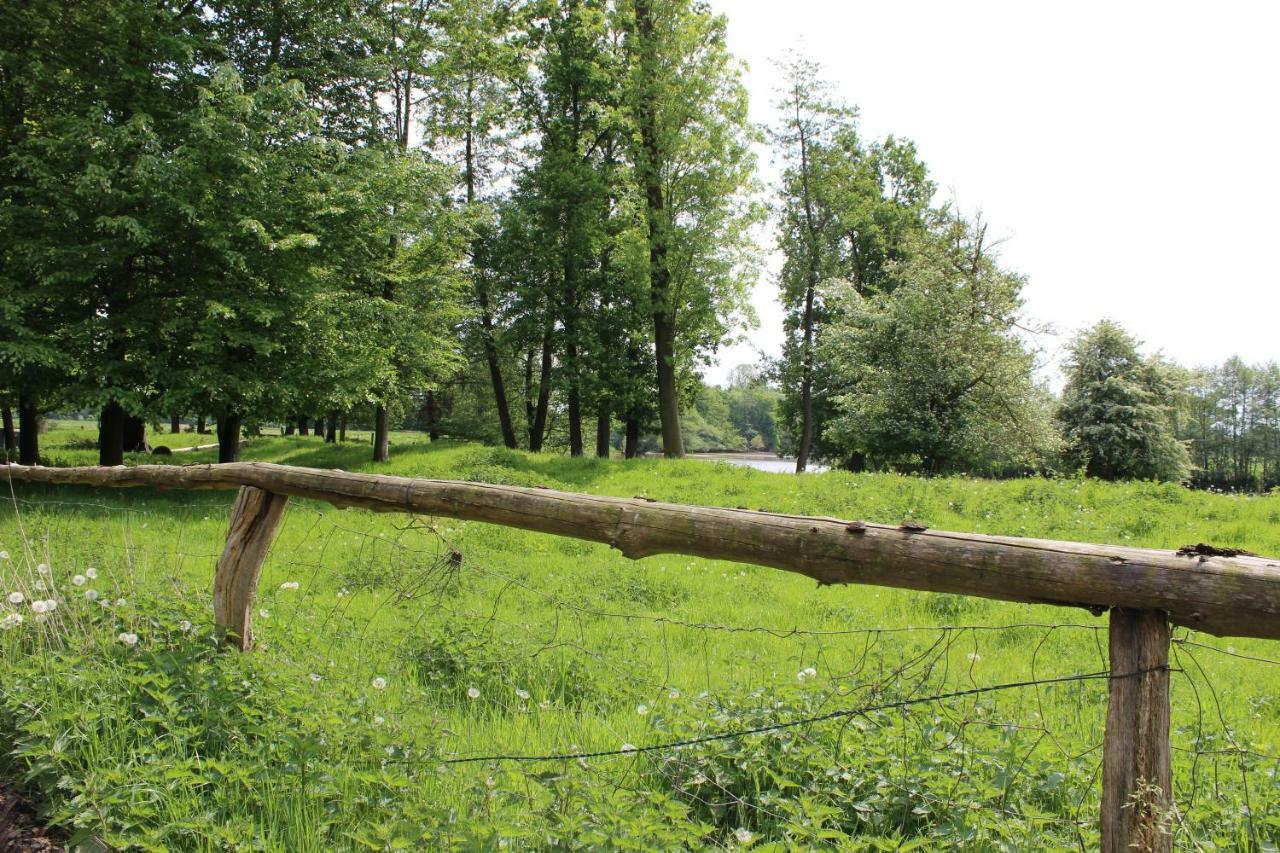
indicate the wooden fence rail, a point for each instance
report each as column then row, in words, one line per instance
column 1219, row 592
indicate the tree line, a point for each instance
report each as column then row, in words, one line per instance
column 260, row 212
column 524, row 222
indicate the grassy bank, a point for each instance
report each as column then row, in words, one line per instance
column 409, row 644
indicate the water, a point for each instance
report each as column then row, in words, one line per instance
column 760, row 461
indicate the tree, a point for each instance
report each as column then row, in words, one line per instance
column 943, row 381
column 1116, row 410
column 846, row 210
column 693, row 161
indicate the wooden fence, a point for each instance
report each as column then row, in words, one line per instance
column 1145, row 591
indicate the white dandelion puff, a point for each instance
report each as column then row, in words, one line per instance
column 79, row 580
column 13, row 620
column 629, row 747
column 289, row 585
column 522, row 694
column 40, row 587
column 128, row 638
column 91, row 595
column 806, row 673
column 974, row 657
column 120, row 602
column 264, row 613
column 743, row 836
column 50, row 605
column 4, row 555
column 674, row 694
column 315, row 677
column 43, row 569
column 16, row 598
column 91, row 573
column 377, row 721
column 473, row 693
column 41, row 617
column 38, row 606
column 379, row 683
column 184, row 626
column 642, row 709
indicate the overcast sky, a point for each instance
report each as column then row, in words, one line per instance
column 1127, row 150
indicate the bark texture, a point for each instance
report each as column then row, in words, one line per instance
column 1230, row 596
column 1137, row 772
column 253, row 526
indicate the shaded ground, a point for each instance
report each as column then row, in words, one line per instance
column 19, row 832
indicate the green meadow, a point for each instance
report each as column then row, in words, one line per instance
column 392, row 652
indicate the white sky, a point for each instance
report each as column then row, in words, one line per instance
column 1127, row 150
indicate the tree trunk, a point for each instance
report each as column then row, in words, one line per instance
column 110, row 434
column 229, row 438
column 604, row 430
column 664, row 325
column 342, row 428
column 289, row 428
column 175, row 424
column 632, row 447
column 302, row 426
column 538, row 431
column 432, row 416
column 381, row 435
column 331, row 428
column 29, row 437
column 495, row 372
column 9, row 435
column 135, row 435
column 202, row 427
column 806, row 386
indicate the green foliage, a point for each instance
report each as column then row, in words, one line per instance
column 1116, row 410
column 937, row 378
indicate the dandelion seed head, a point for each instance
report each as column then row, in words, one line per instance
column 379, row 683
column 38, row 606
column 40, row 587
column 315, row 676
column 128, row 638
column 674, row 694
column 473, row 693
column 264, row 613
column 743, row 836
column 50, row 605
column 642, row 709
column 184, row 626
column 13, row 620
column 974, row 657
column 91, row 595
column 4, row 555
column 522, row 694
column 91, row 573
column 289, row 585
column 43, row 569
column 41, row 617
column 16, row 598
column 628, row 747
column 120, row 602
column 79, row 580
column 377, row 721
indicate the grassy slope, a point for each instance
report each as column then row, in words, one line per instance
column 258, row 748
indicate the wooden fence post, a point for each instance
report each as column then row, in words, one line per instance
column 1137, row 774
column 254, row 521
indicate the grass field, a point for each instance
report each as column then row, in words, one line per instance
column 392, row 658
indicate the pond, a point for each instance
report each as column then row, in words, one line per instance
column 760, row 461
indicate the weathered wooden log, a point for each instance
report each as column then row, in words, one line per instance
column 1137, row 768
column 254, row 521
column 1235, row 596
